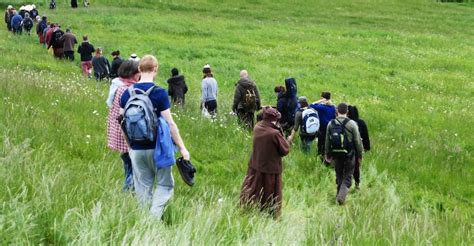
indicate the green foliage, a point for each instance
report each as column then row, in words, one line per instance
column 407, row 65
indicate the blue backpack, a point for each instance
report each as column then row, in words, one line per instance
column 140, row 120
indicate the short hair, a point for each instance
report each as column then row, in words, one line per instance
column 174, row 72
column 85, row 38
column 326, row 94
column 148, row 63
column 342, row 108
column 128, row 68
column 280, row 88
column 244, row 74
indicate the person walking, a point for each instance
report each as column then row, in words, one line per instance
column 128, row 76
column 8, row 15
column 86, row 49
column 246, row 100
column 27, row 23
column 73, row 4
column 145, row 171
column 307, row 119
column 101, row 65
column 58, row 46
column 353, row 114
column 343, row 145
column 209, row 91
column 287, row 103
column 16, row 21
column 116, row 62
column 40, row 27
column 263, row 183
column 177, row 87
column 68, row 40
column 326, row 112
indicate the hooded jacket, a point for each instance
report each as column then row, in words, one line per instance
column 240, row 91
column 269, row 146
column 177, row 87
column 364, row 131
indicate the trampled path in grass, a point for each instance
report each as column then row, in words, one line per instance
column 407, row 65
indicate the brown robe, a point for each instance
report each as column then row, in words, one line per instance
column 262, row 184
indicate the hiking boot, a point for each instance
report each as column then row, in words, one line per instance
column 341, row 195
column 357, row 187
column 186, row 170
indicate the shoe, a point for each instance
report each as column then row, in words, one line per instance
column 357, row 187
column 341, row 196
column 186, row 170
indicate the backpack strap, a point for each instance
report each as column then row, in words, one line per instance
column 343, row 123
column 147, row 92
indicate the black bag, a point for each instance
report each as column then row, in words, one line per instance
column 340, row 146
column 55, row 41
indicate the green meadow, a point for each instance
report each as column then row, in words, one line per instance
column 407, row 65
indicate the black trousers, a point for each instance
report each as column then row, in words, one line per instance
column 246, row 119
column 69, row 55
column 211, row 107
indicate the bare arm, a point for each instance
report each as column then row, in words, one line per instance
column 175, row 133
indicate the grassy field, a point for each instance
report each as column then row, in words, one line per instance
column 408, row 65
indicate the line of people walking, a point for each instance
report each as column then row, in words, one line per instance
column 341, row 135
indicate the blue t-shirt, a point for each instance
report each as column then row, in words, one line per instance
column 159, row 98
column 325, row 112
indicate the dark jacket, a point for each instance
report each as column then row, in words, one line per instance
column 115, row 66
column 56, row 39
column 68, row 40
column 241, row 90
column 40, row 27
column 364, row 131
column 269, row 146
column 86, row 49
column 287, row 108
column 101, row 65
column 177, row 87
column 7, row 17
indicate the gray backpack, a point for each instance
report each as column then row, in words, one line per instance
column 140, row 120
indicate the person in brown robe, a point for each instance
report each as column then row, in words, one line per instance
column 262, row 184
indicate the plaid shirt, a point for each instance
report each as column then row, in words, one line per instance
column 115, row 139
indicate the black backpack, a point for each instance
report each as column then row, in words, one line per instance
column 55, row 39
column 28, row 23
column 340, row 146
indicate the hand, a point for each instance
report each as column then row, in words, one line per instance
column 359, row 160
column 328, row 159
column 185, row 153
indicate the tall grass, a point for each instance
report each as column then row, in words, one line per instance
column 409, row 69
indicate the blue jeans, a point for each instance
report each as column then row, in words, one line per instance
column 144, row 175
column 127, row 166
column 306, row 142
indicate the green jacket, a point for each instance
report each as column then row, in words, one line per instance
column 352, row 131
